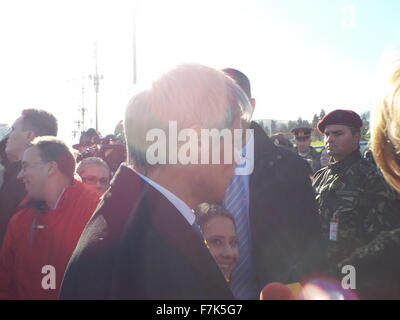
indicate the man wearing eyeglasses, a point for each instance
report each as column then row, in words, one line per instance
column 95, row 173
column 305, row 150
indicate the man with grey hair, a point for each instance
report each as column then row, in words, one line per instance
column 95, row 173
column 141, row 242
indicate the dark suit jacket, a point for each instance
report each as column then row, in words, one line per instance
column 138, row 246
column 284, row 223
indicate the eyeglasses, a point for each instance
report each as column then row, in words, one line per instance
column 95, row 180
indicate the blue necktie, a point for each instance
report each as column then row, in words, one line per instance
column 197, row 229
column 243, row 284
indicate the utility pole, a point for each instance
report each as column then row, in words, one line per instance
column 80, row 123
column 96, row 82
column 82, row 109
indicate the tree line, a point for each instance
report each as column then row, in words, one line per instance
column 286, row 127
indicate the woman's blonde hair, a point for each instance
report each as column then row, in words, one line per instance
column 385, row 142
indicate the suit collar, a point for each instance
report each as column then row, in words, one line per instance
column 266, row 156
column 175, row 230
column 263, row 146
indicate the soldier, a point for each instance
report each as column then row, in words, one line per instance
column 304, row 148
column 377, row 263
column 355, row 202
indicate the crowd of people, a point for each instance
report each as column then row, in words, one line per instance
column 80, row 226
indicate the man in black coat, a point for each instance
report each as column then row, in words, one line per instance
column 141, row 242
column 284, row 223
column 278, row 225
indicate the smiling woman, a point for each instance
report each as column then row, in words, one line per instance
column 219, row 232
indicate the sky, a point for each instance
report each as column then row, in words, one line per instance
column 300, row 55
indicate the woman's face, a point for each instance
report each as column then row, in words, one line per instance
column 220, row 234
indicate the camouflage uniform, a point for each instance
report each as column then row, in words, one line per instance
column 313, row 158
column 377, row 267
column 353, row 194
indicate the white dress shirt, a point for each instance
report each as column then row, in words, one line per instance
column 181, row 206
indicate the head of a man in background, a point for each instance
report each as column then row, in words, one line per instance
column 95, row 173
column 47, row 165
column 342, row 131
column 32, row 123
column 303, row 139
column 242, row 81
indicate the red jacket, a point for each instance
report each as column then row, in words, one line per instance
column 35, row 239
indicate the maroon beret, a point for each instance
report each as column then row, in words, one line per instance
column 343, row 117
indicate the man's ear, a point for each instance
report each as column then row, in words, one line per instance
column 53, row 167
column 30, row 135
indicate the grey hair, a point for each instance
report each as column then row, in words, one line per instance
column 191, row 95
column 91, row 161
